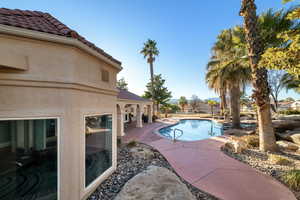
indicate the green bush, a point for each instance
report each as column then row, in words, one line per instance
column 251, row 140
column 290, row 112
column 292, row 179
column 279, row 160
column 132, row 143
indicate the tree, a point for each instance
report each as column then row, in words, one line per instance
column 286, row 56
column 150, row 51
column 183, row 102
column 229, row 70
column 166, row 109
column 195, row 102
column 161, row 94
column 291, row 82
column 212, row 104
column 289, row 99
column 276, row 84
column 122, row 84
column 174, row 108
column 259, row 77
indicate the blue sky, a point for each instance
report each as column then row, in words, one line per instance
column 184, row 30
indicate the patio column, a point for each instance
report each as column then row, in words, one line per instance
column 149, row 110
column 120, row 119
column 139, row 122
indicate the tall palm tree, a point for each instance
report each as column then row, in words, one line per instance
column 150, row 51
column 259, row 76
column 212, row 104
column 228, row 71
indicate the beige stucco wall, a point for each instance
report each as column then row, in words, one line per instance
column 64, row 82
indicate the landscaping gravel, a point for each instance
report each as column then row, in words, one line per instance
column 129, row 166
column 260, row 161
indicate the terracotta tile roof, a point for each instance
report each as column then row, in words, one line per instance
column 44, row 22
column 124, row 94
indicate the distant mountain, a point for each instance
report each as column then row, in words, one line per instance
column 173, row 101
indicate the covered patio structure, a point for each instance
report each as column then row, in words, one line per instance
column 131, row 109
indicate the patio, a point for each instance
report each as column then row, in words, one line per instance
column 209, row 169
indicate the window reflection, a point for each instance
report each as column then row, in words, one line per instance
column 28, row 165
column 98, row 155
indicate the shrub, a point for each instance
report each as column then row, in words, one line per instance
column 290, row 112
column 279, row 160
column 251, row 140
column 292, row 179
column 154, row 118
column 132, row 143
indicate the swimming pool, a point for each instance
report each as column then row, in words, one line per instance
column 192, row 129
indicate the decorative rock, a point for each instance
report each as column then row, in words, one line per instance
column 283, row 136
column 289, row 117
column 155, row 183
column 235, row 146
column 295, row 138
column 140, row 152
column 239, row 132
column 286, row 124
column 287, row 145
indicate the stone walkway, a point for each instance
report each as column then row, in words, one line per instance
column 202, row 164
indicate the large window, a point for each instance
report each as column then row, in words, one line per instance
column 28, row 164
column 98, row 149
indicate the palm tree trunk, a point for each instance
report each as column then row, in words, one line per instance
column 235, row 105
column 152, row 84
column 259, row 77
column 223, row 101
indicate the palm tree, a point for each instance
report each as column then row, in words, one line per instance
column 259, row 76
column 150, row 51
column 182, row 102
column 291, row 82
column 229, row 70
column 212, row 103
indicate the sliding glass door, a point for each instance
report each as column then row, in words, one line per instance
column 28, row 159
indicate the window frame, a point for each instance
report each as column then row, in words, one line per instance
column 58, row 129
column 89, row 188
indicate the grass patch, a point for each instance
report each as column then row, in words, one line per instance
column 292, row 179
column 132, row 143
column 279, row 160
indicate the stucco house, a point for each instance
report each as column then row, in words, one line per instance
column 60, row 110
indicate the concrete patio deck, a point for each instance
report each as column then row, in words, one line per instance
column 202, row 164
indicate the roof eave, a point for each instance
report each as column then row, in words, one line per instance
column 136, row 101
column 21, row 32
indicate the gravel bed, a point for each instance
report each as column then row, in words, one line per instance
column 128, row 167
column 260, row 161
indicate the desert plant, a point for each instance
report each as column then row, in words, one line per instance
column 290, row 112
column 292, row 179
column 252, row 141
column 279, row 160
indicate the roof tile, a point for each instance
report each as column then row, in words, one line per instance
column 44, row 22
column 124, row 94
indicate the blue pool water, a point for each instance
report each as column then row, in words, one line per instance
column 192, row 129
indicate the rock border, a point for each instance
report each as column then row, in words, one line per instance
column 129, row 166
